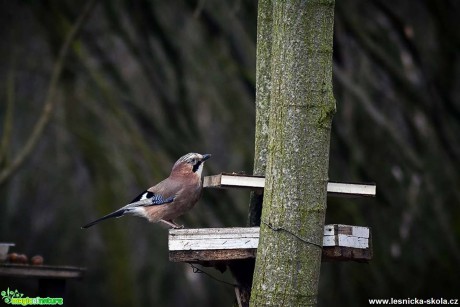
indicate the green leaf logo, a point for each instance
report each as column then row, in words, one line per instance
column 10, row 294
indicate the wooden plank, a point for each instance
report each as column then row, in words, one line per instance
column 212, row 255
column 341, row 253
column 40, row 271
column 226, row 180
column 346, row 236
column 340, row 242
column 351, row 189
column 243, row 181
column 213, row 238
column 337, row 253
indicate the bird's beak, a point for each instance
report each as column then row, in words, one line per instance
column 205, row 157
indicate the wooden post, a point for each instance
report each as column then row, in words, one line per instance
column 301, row 109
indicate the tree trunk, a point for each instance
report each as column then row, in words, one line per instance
column 301, row 109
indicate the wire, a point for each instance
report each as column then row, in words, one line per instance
column 200, row 271
column 293, row 234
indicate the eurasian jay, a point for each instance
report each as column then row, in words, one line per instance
column 171, row 197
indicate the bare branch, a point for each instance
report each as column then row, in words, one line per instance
column 50, row 102
column 377, row 116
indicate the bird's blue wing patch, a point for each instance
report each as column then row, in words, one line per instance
column 159, row 200
column 148, row 198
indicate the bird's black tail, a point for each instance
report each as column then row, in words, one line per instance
column 117, row 213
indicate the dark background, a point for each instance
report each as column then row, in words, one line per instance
column 148, row 81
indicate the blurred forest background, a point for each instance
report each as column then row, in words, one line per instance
column 144, row 82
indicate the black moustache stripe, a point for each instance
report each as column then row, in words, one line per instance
column 196, row 166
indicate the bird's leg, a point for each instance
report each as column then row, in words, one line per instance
column 176, row 226
column 172, row 224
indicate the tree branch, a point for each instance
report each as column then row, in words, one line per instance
column 377, row 116
column 50, row 102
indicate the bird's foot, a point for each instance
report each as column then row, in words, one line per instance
column 172, row 224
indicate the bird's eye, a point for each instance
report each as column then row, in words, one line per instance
column 193, row 161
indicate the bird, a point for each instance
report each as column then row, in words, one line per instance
column 169, row 198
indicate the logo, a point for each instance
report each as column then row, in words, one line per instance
column 14, row 297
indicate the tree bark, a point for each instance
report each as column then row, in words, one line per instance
column 243, row 271
column 263, row 89
column 300, row 115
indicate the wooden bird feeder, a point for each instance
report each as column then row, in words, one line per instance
column 51, row 279
column 210, row 245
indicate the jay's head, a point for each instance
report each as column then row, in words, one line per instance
column 191, row 163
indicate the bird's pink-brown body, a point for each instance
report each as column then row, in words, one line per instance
column 187, row 187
